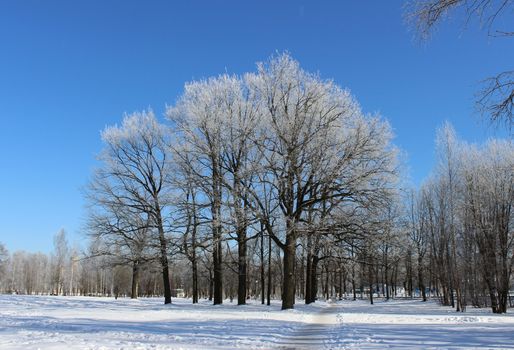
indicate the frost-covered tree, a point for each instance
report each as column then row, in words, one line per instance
column 280, row 142
column 198, row 117
column 315, row 145
column 488, row 205
column 135, row 175
column 447, row 171
column 464, row 215
column 419, row 226
column 238, row 162
column 60, row 261
column 4, row 256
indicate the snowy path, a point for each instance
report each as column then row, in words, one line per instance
column 102, row 323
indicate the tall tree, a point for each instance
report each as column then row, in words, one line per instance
column 135, row 175
column 198, row 117
column 316, row 145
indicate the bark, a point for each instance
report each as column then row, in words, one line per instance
column 342, row 284
column 195, row 279
column 386, row 274
column 370, row 276
column 288, row 288
column 211, row 285
column 311, row 281
column 241, row 272
column 308, row 277
column 217, row 252
column 135, row 280
column 241, row 244
column 353, row 287
column 420, row 278
column 269, row 272
column 327, row 283
column 164, row 258
column 262, row 267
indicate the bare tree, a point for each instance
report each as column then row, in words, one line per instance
column 238, row 150
column 419, row 233
column 4, row 256
column 126, row 236
column 315, row 145
column 198, row 117
column 134, row 175
column 489, row 200
column 60, row 259
column 189, row 208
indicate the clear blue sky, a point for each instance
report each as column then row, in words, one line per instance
column 69, row 68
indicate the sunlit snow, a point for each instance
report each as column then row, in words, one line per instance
column 49, row 322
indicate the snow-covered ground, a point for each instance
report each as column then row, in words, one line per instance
column 49, row 322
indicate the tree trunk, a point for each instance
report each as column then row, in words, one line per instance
column 327, row 282
column 218, row 274
column 370, row 276
column 217, row 252
column 241, row 272
column 164, row 258
column 193, row 258
column 314, row 278
column 308, row 278
column 211, row 285
column 195, row 280
column 269, row 271
column 342, row 283
column 354, row 290
column 386, row 277
column 288, row 288
column 135, row 280
column 262, row 266
column 420, row 278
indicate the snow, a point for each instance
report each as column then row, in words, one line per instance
column 50, row 322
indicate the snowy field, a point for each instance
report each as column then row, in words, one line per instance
column 32, row 322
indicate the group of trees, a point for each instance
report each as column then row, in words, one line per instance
column 462, row 221
column 69, row 271
column 279, row 173
column 35, row 273
column 274, row 184
column 279, row 153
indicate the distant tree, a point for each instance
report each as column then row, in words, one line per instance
column 419, row 233
column 489, row 204
column 60, row 260
column 4, row 256
column 496, row 100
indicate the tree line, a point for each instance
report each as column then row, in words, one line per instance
column 274, row 184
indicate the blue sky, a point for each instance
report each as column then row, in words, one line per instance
column 69, row 68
